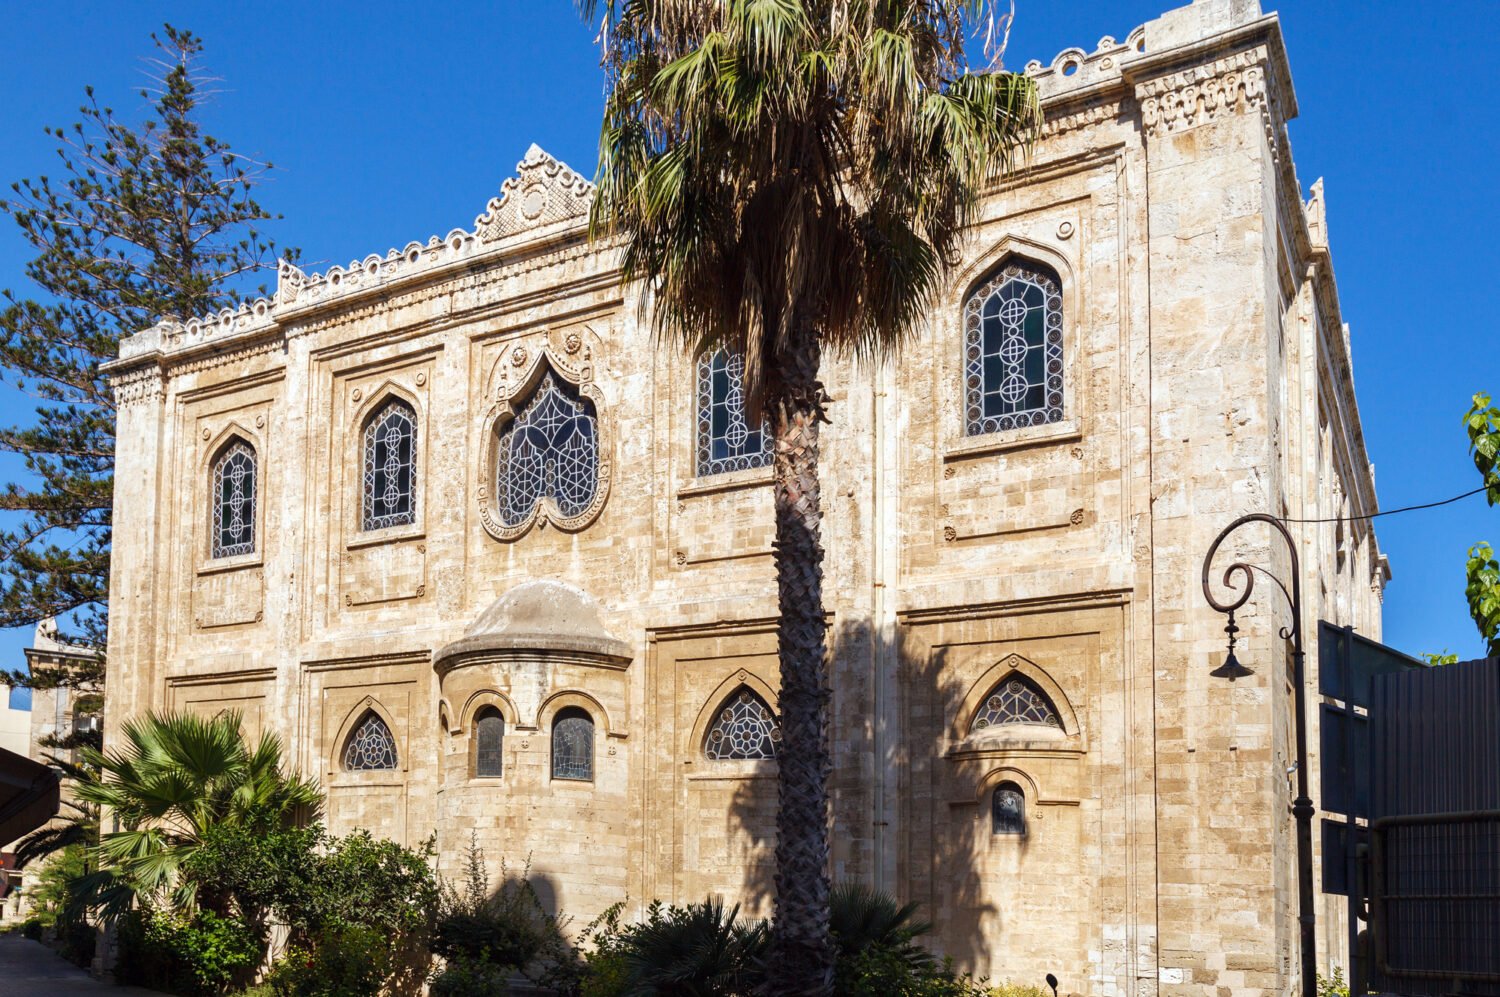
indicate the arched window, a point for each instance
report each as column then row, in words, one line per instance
column 370, row 745
column 744, row 728
column 489, row 742
column 726, row 440
column 573, row 745
column 234, row 501
column 1013, row 351
column 1008, row 809
column 550, row 450
column 1016, row 700
column 391, row 467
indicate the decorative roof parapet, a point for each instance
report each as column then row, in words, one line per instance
column 544, row 196
column 1074, row 69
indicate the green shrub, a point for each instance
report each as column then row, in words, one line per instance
column 194, row 954
column 465, row 977
column 344, row 961
column 882, row 971
column 1335, row 985
column 507, row 929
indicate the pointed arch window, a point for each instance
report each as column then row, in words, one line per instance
column 390, row 480
column 1015, row 700
column 1008, row 809
column 234, row 501
column 1013, row 350
column 726, row 440
column 489, row 744
column 370, row 745
column 551, row 450
column 573, row 745
column 744, row 728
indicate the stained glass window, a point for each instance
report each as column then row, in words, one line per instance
column 744, row 728
column 1013, row 351
column 391, row 467
column 1015, row 701
column 489, row 741
column 371, row 746
column 726, row 440
column 234, row 501
column 573, row 745
column 550, row 450
column 1008, row 809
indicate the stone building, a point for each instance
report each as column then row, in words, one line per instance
column 492, row 561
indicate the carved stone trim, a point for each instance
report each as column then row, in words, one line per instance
column 520, row 369
column 137, row 387
column 542, row 192
column 1235, row 84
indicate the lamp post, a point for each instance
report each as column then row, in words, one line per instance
column 1302, row 807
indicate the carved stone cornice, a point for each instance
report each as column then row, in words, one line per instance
column 1234, row 84
column 137, row 386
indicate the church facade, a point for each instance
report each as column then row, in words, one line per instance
column 492, row 562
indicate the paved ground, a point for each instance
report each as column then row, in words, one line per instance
column 30, row 969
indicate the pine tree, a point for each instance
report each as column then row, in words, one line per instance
column 145, row 222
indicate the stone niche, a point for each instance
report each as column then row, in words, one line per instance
column 539, row 650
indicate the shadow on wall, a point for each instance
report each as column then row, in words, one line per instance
column 937, row 856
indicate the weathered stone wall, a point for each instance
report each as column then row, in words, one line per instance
column 1206, row 374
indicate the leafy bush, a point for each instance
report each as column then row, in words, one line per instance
column 504, row 930
column 341, row 961
column 194, row 954
column 466, row 977
column 329, row 892
column 1009, row 989
column 58, row 905
column 1333, row 986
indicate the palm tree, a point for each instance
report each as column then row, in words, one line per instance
column 179, row 776
column 790, row 177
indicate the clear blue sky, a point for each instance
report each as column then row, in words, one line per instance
column 395, row 121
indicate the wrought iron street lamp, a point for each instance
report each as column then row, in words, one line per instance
column 1238, row 573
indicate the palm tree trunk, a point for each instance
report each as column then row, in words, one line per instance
column 802, row 956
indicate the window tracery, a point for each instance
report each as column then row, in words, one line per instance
column 551, row 450
column 390, row 458
column 234, row 501
column 1013, row 351
column 1015, row 700
column 370, row 746
column 744, row 728
column 726, row 441
column 573, row 745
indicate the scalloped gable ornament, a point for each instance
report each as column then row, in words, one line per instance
column 543, row 191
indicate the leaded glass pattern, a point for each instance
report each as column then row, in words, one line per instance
column 1013, row 351
column 370, row 746
column 234, row 501
column 551, row 450
column 726, row 440
column 573, row 745
column 489, row 744
column 744, row 728
column 1008, row 809
column 1015, row 701
column 391, row 467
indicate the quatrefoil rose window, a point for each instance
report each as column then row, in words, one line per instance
column 549, row 464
